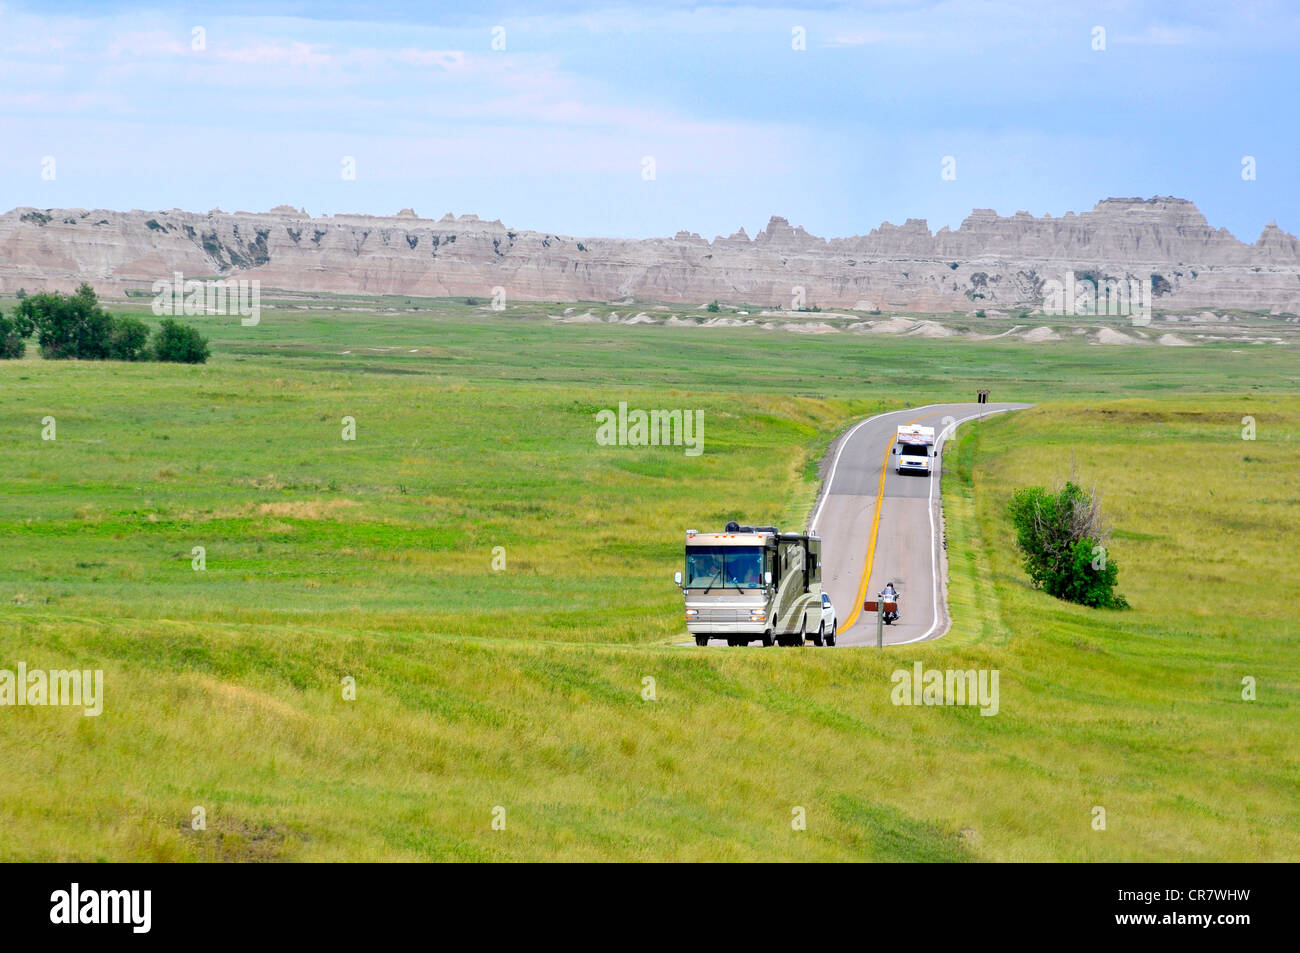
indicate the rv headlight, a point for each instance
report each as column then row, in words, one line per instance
column 757, row 615
column 692, row 613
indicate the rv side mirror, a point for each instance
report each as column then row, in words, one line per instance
column 677, row 578
column 893, row 452
column 767, row 577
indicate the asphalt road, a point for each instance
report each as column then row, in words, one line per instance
column 875, row 531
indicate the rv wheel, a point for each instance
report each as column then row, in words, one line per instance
column 802, row 636
column 701, row 640
column 767, row 639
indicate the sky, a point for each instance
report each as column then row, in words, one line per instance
column 593, row 119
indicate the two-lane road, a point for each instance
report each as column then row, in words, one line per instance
column 878, row 526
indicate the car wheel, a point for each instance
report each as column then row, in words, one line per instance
column 830, row 638
column 819, row 638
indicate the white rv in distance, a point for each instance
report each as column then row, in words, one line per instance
column 754, row 582
column 914, row 449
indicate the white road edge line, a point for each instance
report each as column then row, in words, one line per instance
column 934, row 542
column 830, row 481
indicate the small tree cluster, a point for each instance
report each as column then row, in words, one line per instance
column 1060, row 535
column 75, row 326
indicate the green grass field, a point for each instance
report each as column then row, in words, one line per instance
column 522, row 687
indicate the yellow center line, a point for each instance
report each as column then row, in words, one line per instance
column 875, row 527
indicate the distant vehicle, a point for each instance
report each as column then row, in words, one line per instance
column 754, row 582
column 914, row 449
column 829, row 621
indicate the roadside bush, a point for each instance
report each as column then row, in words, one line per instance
column 12, row 332
column 179, row 343
column 128, row 339
column 713, row 307
column 1060, row 535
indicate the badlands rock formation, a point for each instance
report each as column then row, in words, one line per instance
column 991, row 261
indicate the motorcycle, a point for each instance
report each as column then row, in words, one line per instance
column 891, row 615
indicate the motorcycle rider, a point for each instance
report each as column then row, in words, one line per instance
column 890, row 594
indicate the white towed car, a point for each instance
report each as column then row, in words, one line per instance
column 829, row 621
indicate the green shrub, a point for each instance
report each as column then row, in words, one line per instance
column 179, row 343
column 1060, row 537
column 12, row 334
column 128, row 339
column 713, row 307
column 68, row 325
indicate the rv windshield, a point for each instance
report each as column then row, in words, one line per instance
column 913, row 450
column 724, row 567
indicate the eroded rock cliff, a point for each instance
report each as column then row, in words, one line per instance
column 990, row 261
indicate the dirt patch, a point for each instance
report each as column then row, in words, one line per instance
column 306, row 509
column 817, row 327
column 1040, row 334
column 232, row 695
column 235, row 841
column 1111, row 336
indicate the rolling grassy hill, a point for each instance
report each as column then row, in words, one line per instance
column 522, row 688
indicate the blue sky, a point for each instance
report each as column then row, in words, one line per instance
column 552, row 132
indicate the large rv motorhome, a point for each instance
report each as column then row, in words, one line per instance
column 915, row 449
column 754, row 582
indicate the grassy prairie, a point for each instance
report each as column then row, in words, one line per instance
column 522, row 688
column 1142, row 712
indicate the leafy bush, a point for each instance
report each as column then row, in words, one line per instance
column 713, row 307
column 12, row 332
column 68, row 325
column 1060, row 536
column 76, row 326
column 179, row 343
column 128, row 339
